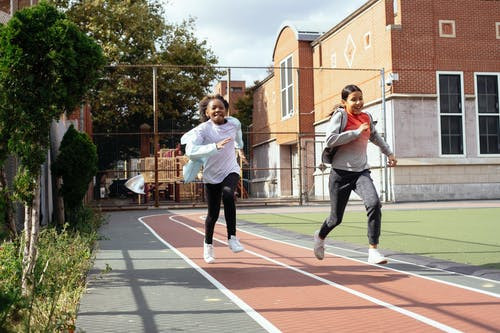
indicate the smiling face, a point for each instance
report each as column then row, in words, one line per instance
column 354, row 102
column 216, row 111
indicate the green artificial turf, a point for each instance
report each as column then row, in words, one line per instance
column 469, row 235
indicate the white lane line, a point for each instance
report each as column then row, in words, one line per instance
column 404, row 262
column 374, row 300
column 267, row 325
column 427, row 268
column 430, row 269
column 485, row 292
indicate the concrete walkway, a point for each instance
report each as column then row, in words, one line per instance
column 138, row 284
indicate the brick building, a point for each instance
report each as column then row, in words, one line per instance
column 438, row 106
column 9, row 7
column 236, row 91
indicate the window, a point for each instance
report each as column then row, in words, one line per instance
column 333, row 60
column 497, row 28
column 367, row 41
column 450, row 113
column 447, row 28
column 488, row 114
column 395, row 7
column 286, row 71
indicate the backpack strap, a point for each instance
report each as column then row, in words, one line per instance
column 328, row 152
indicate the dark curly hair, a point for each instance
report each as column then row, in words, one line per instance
column 344, row 94
column 204, row 104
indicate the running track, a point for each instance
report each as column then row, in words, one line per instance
column 284, row 288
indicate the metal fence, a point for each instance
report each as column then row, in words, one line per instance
column 293, row 174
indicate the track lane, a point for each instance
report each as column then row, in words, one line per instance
column 293, row 290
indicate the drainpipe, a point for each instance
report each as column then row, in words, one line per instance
column 384, row 124
column 299, row 145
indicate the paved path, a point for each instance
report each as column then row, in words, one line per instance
column 158, row 282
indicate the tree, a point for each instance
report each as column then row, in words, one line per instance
column 136, row 33
column 76, row 164
column 46, row 66
column 244, row 105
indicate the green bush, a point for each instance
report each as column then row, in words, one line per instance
column 63, row 261
column 3, row 219
column 11, row 301
column 76, row 164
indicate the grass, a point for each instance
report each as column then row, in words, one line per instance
column 468, row 236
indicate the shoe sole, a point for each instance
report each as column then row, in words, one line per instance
column 209, row 261
column 237, row 251
column 383, row 262
column 318, row 256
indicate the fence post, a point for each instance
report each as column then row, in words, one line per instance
column 155, row 129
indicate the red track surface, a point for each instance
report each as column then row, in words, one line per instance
column 297, row 293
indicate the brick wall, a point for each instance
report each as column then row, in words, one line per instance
column 361, row 48
column 419, row 51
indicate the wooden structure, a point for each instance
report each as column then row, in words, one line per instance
column 170, row 179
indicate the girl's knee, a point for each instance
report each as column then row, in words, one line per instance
column 227, row 194
column 374, row 203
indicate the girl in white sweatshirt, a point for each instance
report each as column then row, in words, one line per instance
column 212, row 144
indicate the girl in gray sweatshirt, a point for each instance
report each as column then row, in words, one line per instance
column 348, row 134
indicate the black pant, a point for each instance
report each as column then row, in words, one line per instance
column 213, row 193
column 341, row 184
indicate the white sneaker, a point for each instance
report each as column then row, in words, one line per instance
column 319, row 246
column 234, row 244
column 375, row 257
column 208, row 253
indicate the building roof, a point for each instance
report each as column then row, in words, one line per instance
column 303, row 30
column 345, row 21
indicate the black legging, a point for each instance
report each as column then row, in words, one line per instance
column 213, row 194
column 341, row 183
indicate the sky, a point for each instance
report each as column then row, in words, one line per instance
column 243, row 32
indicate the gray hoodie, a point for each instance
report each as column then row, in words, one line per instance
column 350, row 154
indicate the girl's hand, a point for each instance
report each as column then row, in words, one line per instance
column 363, row 127
column 222, row 143
column 243, row 159
column 392, row 160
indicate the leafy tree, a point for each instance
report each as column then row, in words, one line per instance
column 244, row 105
column 46, row 66
column 136, row 33
column 76, row 164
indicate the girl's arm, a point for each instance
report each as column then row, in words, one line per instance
column 335, row 136
column 195, row 149
column 238, row 141
column 378, row 140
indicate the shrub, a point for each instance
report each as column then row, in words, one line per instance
column 76, row 164
column 63, row 261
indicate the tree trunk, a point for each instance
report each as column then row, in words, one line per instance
column 9, row 211
column 32, row 226
column 60, row 203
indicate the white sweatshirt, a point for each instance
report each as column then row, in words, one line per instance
column 201, row 145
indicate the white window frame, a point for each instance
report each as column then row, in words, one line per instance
column 462, row 114
column 497, row 29
column 441, row 32
column 497, row 74
column 286, row 110
column 333, row 60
